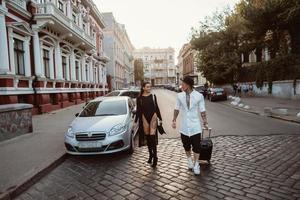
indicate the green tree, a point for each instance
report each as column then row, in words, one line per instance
column 218, row 44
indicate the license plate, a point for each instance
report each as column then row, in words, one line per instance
column 219, row 93
column 91, row 144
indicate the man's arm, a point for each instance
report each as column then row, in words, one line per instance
column 204, row 119
column 176, row 113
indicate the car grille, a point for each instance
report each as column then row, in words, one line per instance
column 91, row 150
column 92, row 137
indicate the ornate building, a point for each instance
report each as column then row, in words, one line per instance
column 159, row 67
column 186, row 64
column 119, row 49
column 53, row 57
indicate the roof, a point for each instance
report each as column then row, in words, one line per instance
column 113, row 98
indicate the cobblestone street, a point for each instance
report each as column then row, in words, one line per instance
column 242, row 167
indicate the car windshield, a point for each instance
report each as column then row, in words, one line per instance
column 104, row 108
column 112, row 94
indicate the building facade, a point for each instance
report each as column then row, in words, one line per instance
column 119, row 49
column 159, row 67
column 187, row 64
column 53, row 57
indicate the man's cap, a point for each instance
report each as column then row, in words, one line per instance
column 188, row 80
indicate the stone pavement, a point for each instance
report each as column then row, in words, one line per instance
column 23, row 157
column 242, row 167
column 259, row 104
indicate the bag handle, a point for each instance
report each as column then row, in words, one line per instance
column 209, row 132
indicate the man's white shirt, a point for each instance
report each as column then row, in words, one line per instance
column 190, row 117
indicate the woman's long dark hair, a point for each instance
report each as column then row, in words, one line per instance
column 142, row 87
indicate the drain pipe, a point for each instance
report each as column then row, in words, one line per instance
column 34, row 81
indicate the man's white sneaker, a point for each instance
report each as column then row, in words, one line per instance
column 190, row 163
column 196, row 169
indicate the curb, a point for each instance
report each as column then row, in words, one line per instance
column 34, row 177
column 267, row 115
column 284, row 119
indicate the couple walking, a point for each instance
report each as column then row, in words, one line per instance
column 190, row 103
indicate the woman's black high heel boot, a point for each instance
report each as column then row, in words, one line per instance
column 149, row 144
column 154, row 149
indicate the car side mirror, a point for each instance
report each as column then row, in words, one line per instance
column 77, row 114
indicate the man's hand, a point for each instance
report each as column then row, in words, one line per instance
column 205, row 125
column 174, row 125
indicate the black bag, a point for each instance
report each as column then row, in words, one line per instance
column 206, row 147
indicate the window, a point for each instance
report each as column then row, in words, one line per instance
column 61, row 6
column 95, row 74
column 46, row 59
column 170, row 57
column 22, row 99
column 19, row 57
column 53, row 99
column 64, row 67
column 77, row 70
column 74, row 18
column 86, row 73
column 83, row 26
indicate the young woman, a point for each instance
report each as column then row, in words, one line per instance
column 148, row 114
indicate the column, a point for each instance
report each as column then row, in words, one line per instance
column 37, row 55
column 27, row 57
column 58, row 62
column 51, row 64
column 11, row 50
column 72, row 60
column 69, row 9
column 68, row 67
column 83, row 69
column 4, row 64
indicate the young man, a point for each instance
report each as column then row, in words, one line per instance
column 190, row 103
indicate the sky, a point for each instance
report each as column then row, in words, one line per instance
column 161, row 23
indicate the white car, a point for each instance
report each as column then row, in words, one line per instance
column 105, row 125
column 133, row 93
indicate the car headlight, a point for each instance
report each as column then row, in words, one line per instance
column 70, row 133
column 117, row 129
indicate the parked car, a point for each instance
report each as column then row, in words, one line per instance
column 216, row 94
column 105, row 125
column 178, row 88
column 133, row 93
column 202, row 89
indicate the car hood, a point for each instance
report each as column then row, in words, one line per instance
column 101, row 123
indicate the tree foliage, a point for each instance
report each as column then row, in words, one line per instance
column 252, row 25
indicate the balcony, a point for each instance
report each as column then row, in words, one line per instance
column 20, row 3
column 63, row 24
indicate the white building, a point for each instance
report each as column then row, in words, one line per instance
column 53, row 56
column 119, row 49
column 159, row 67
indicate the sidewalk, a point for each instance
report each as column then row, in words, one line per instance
column 284, row 109
column 25, row 156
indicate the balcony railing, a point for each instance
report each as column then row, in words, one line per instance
column 51, row 9
column 20, row 3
